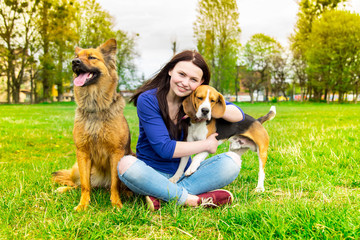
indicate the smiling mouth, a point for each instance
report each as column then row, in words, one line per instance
column 182, row 89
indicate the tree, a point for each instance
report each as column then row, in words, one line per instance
column 250, row 79
column 333, row 51
column 174, row 46
column 298, row 65
column 279, row 72
column 46, row 38
column 54, row 27
column 16, row 34
column 126, row 55
column 63, row 42
column 217, row 34
column 309, row 11
column 94, row 25
column 257, row 55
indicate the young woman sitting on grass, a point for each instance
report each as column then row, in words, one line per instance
column 161, row 141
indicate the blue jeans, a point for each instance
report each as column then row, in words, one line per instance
column 213, row 173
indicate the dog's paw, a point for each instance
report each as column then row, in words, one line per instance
column 174, row 179
column 116, row 201
column 259, row 189
column 117, row 204
column 192, row 168
column 63, row 189
column 81, row 207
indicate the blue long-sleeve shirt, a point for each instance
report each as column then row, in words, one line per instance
column 155, row 146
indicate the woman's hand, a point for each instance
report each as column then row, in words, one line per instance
column 212, row 143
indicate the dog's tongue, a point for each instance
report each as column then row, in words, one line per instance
column 81, row 79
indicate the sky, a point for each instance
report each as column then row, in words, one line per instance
column 159, row 22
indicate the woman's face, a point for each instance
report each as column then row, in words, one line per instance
column 185, row 77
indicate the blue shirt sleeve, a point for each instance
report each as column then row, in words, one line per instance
column 154, row 127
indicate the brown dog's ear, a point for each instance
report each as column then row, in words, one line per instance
column 77, row 50
column 188, row 106
column 219, row 108
column 109, row 47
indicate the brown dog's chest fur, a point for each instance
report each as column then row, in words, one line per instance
column 101, row 132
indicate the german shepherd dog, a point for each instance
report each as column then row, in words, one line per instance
column 101, row 133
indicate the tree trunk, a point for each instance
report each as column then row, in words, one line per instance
column 60, row 89
column 302, row 94
column 293, row 92
column 8, row 86
column 341, row 97
column 251, row 96
column 16, row 94
column 46, row 57
column 326, row 94
column 31, row 87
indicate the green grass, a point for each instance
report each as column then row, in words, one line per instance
column 312, row 182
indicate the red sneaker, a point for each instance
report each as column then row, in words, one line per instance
column 215, row 198
column 153, row 203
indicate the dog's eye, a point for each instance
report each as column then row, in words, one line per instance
column 91, row 57
column 200, row 98
column 212, row 101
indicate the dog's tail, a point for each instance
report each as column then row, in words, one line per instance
column 269, row 116
column 68, row 177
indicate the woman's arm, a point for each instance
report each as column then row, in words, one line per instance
column 183, row 149
column 233, row 113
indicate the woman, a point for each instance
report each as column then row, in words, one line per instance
column 161, row 140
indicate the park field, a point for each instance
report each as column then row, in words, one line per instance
column 312, row 181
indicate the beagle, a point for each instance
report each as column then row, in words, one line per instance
column 205, row 107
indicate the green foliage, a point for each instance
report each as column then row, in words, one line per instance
column 309, row 11
column 312, row 181
column 125, row 60
column 307, row 73
column 257, row 52
column 41, row 35
column 217, row 34
column 16, row 34
column 258, row 55
column 333, row 51
column 94, row 25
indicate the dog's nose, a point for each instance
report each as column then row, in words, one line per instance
column 76, row 62
column 205, row 111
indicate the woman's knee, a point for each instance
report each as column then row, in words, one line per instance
column 235, row 157
column 125, row 163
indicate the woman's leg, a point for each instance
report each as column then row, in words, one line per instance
column 213, row 173
column 144, row 180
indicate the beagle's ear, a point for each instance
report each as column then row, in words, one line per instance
column 219, row 108
column 188, row 105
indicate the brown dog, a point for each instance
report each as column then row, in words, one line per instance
column 101, row 132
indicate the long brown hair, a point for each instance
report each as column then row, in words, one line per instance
column 161, row 82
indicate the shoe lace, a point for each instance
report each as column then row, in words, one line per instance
column 208, row 202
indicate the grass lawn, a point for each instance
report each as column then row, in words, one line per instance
column 312, row 181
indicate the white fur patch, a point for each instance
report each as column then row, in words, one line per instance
column 197, row 132
column 205, row 104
